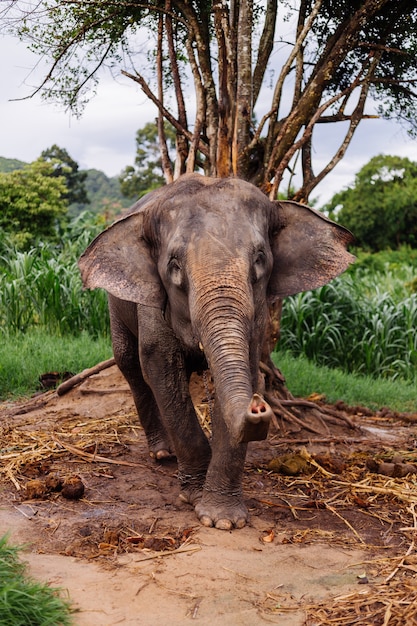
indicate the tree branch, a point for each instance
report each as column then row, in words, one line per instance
column 181, row 141
column 163, row 148
column 283, row 75
column 356, row 117
column 266, row 45
column 167, row 115
column 283, row 164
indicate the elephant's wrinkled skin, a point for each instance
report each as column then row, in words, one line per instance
column 190, row 271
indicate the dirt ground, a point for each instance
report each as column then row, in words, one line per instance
column 331, row 531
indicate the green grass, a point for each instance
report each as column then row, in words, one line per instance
column 24, row 601
column 25, row 356
column 304, row 377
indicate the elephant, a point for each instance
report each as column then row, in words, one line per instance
column 190, row 271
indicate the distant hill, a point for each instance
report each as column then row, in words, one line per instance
column 103, row 192
column 9, row 165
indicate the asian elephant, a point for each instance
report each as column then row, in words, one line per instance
column 190, row 271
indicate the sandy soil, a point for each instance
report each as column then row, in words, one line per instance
column 129, row 552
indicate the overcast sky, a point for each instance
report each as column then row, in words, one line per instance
column 104, row 138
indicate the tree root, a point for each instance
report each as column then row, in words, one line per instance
column 297, row 414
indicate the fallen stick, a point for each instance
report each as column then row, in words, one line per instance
column 79, row 378
column 94, row 458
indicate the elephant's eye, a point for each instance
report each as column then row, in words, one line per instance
column 259, row 263
column 174, row 269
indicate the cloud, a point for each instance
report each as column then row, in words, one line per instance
column 104, row 137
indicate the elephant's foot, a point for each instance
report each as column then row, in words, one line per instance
column 160, row 451
column 222, row 511
column 162, row 455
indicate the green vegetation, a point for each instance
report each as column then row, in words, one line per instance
column 303, row 377
column 32, row 201
column 65, row 166
column 9, row 165
column 147, row 173
column 364, row 322
column 25, row 356
column 380, row 208
column 41, row 288
column 103, row 193
column 23, row 601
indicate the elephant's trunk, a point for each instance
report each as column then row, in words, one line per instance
column 223, row 314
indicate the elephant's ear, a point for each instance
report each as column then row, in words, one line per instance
column 308, row 248
column 119, row 260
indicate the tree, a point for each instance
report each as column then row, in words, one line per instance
column 32, row 202
column 147, row 174
column 64, row 166
column 381, row 206
column 323, row 59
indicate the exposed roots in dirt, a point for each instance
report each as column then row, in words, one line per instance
column 294, row 415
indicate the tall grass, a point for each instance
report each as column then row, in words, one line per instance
column 364, row 322
column 41, row 288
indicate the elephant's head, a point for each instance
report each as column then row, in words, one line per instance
column 212, row 253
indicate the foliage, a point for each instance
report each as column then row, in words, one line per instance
column 24, row 601
column 32, row 203
column 147, row 174
column 363, row 323
column 103, row 193
column 64, row 166
column 381, row 206
column 41, row 287
column 323, row 59
column 397, row 260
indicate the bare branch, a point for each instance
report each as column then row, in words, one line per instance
column 283, row 164
column 284, row 73
column 167, row 115
column 355, row 119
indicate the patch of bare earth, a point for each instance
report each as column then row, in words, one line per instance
column 331, row 532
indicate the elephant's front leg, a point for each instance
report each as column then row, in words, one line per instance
column 222, row 503
column 163, row 365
